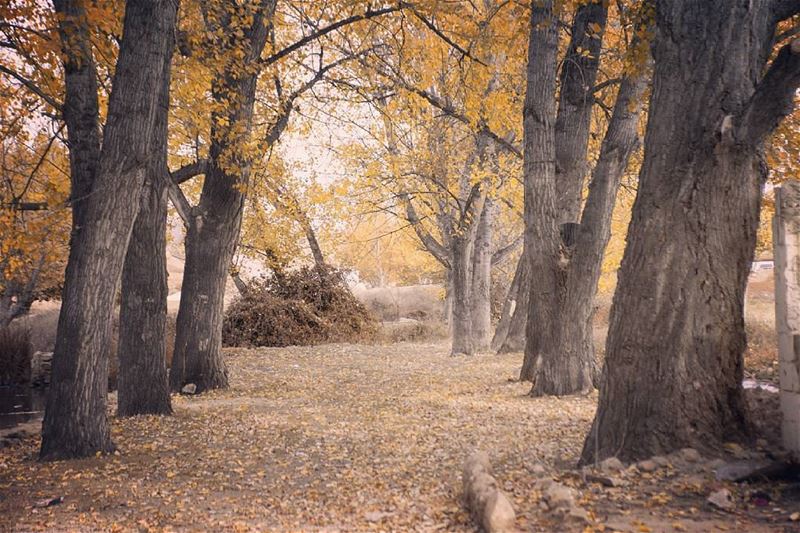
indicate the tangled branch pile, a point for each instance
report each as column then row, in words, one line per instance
column 305, row 307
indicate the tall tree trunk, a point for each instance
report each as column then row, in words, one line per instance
column 568, row 362
column 463, row 343
column 213, row 227
column 482, row 280
column 80, row 109
column 542, row 238
column 142, row 383
column 575, row 102
column 75, row 422
column 571, row 131
column 673, row 368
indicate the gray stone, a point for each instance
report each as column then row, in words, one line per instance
column 690, row 455
column 578, row 515
column 648, row 465
column 722, row 499
column 558, row 496
column 660, row 460
column 606, row 481
column 498, row 514
column 612, row 464
column 189, row 388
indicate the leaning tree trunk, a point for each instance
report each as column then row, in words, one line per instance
column 463, row 343
column 481, row 305
column 75, row 422
column 673, row 368
column 514, row 340
column 568, row 362
column 142, row 383
column 509, row 305
column 80, row 108
column 210, row 243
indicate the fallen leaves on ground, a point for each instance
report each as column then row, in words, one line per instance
column 326, row 438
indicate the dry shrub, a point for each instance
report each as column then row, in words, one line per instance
column 15, row 355
column 305, row 307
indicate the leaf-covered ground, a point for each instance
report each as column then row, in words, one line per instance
column 338, row 438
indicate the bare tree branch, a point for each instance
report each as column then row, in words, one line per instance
column 433, row 246
column 187, row 172
column 32, row 87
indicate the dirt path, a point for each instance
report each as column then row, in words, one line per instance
column 332, row 438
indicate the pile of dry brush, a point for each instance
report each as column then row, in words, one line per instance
column 308, row 306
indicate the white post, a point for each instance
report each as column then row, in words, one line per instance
column 786, row 244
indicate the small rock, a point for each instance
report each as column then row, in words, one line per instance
column 660, row 460
column 716, row 463
column 722, row 499
column 648, row 465
column 49, row 502
column 189, row 388
column 498, row 515
column 690, row 455
column 542, row 484
column 612, row 464
column 559, row 496
column 794, row 517
column 578, row 515
column 537, row 470
column 739, row 470
column 762, row 443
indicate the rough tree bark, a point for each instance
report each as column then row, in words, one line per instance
column 214, row 225
column 75, row 422
column 568, row 363
column 509, row 307
column 673, row 368
column 542, row 239
column 80, row 109
column 571, row 132
column 575, row 101
column 142, row 383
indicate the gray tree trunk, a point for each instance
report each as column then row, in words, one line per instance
column 482, row 280
column 461, row 247
column 142, row 382
column 673, row 368
column 542, row 238
column 214, row 225
column 514, row 340
column 568, row 362
column 509, row 305
column 571, row 134
column 75, row 422
column 80, row 108
column 575, row 101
